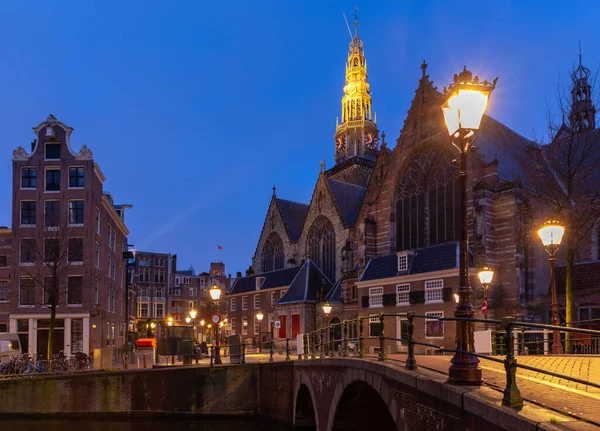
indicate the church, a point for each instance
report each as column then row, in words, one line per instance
column 381, row 231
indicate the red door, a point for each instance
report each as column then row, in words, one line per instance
column 295, row 325
column 282, row 328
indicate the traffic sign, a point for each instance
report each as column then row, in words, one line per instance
column 277, row 324
column 484, row 307
column 215, row 318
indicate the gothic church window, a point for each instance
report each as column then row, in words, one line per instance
column 428, row 201
column 321, row 246
column 272, row 254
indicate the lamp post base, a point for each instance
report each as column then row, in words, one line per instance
column 218, row 355
column 465, row 372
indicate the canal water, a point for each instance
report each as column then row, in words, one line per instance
column 138, row 425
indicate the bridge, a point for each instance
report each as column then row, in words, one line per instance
column 322, row 394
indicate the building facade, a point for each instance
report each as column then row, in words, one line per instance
column 66, row 248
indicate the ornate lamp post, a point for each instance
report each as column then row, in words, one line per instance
column 193, row 314
column 485, row 277
column 466, row 101
column 327, row 309
column 215, row 294
column 202, row 329
column 170, row 321
column 551, row 235
column 259, row 317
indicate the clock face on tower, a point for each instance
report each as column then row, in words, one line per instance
column 340, row 144
column 371, row 140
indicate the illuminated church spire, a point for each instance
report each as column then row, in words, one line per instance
column 357, row 133
column 583, row 112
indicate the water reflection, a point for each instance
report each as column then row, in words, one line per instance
column 134, row 425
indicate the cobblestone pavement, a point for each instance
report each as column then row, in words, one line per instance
column 558, row 394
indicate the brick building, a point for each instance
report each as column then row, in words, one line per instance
column 63, row 219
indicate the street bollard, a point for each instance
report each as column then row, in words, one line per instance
column 382, row 354
column 211, row 355
column 345, row 347
column 287, row 349
column 411, row 361
column 512, row 394
column 271, row 351
column 361, row 339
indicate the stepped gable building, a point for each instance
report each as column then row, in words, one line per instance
column 62, row 218
column 379, row 201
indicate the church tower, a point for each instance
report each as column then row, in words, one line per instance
column 357, row 134
column 583, row 112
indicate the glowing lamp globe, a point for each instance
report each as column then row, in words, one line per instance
column 486, row 275
column 193, row 314
column 456, row 298
column 327, row 308
column 551, row 233
column 259, row 316
column 215, row 293
column 466, row 101
column 202, row 322
column 188, row 319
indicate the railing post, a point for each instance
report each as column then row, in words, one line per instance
column 287, row 349
column 512, row 395
column 411, row 361
column 313, row 338
column 305, row 337
column 321, row 342
column 361, row 339
column 211, row 355
column 382, row 355
column 546, row 344
column 331, row 342
column 271, row 350
column 243, row 353
column 345, row 346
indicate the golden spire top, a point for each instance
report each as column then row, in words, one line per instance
column 355, row 21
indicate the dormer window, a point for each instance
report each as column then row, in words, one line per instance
column 259, row 281
column 402, row 261
column 52, row 151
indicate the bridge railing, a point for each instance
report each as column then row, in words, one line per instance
column 512, row 395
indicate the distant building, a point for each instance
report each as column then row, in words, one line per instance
column 60, row 211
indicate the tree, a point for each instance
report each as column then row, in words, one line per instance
column 59, row 249
column 566, row 176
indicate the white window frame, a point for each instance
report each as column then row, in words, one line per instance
column 256, row 305
column 193, row 292
column 232, row 326
column 36, row 178
column 69, row 213
column 76, row 262
column 376, row 293
column 434, row 314
column 434, row 288
column 52, row 168
column 374, row 318
column 69, row 177
column 244, row 326
column 98, row 222
column 97, row 259
column 404, row 290
column 82, row 290
column 144, row 261
column 233, row 304
column 156, row 307
column 19, row 287
column 21, row 213
column 244, row 303
column 402, row 261
column 20, row 249
column 141, row 307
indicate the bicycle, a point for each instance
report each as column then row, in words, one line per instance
column 37, row 366
column 59, row 363
column 81, row 361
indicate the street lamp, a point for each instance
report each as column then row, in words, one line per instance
column 551, row 235
column 188, row 319
column 170, row 321
column 327, row 309
column 466, row 101
column 485, row 277
column 193, row 314
column 259, row 317
column 202, row 325
column 215, row 294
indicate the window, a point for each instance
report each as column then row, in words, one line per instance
column 3, row 290
column 273, row 298
column 159, row 276
column 97, row 255
column 257, row 302
column 159, row 262
column 144, row 261
column 3, row 261
column 402, row 261
column 75, row 250
column 113, row 269
column 376, row 297
column 403, row 294
column 114, row 240
column 110, row 237
column 144, row 293
column 74, row 290
column 76, row 212
column 75, row 177
column 97, row 221
column 52, row 179
column 434, row 328
column 232, row 308
column 27, row 254
column 434, row 291
column 193, row 292
column 244, row 326
column 51, row 213
column 28, row 178
column 51, row 250
column 256, row 326
column 160, row 292
column 321, row 246
column 258, row 282
column 587, row 313
column 244, row 302
column 28, row 213
column 143, row 309
column 272, row 254
column 232, row 326
column 159, row 310
column 52, row 151
column 76, row 335
column 26, row 291
column 374, row 326
column 144, row 274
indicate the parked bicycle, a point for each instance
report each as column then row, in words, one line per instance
column 59, row 362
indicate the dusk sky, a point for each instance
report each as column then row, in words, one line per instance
column 195, row 111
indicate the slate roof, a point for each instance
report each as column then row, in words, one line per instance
column 348, row 198
column 421, row 260
column 307, row 285
column 293, row 214
column 586, row 276
column 335, row 294
column 273, row 279
column 185, row 272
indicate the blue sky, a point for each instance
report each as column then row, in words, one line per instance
column 195, row 109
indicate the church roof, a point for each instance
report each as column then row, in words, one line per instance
column 309, row 285
column 273, row 279
column 335, row 294
column 586, row 276
column 293, row 214
column 421, row 260
column 348, row 198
